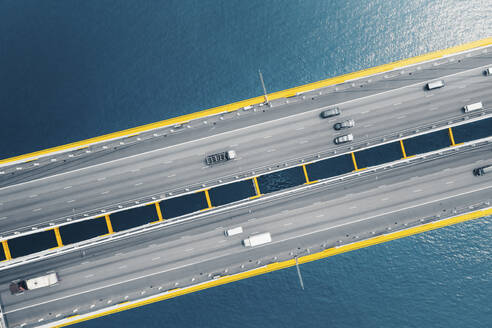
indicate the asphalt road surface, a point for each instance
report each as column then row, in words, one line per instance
column 50, row 194
column 316, row 217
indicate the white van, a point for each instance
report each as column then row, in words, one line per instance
column 473, row 107
column 233, row 231
column 435, row 84
column 257, row 240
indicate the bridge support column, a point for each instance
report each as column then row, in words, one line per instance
column 108, row 223
column 6, row 250
column 158, row 210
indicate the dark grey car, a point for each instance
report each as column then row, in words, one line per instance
column 330, row 112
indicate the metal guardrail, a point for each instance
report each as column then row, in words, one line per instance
column 338, row 179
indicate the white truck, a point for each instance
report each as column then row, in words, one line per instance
column 257, row 240
column 233, row 231
column 19, row 286
column 482, row 170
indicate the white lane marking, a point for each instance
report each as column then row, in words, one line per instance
column 70, row 201
column 217, row 257
column 368, row 125
column 401, row 116
column 122, row 267
column 266, row 137
column 396, row 104
column 303, row 142
column 270, row 150
column 105, row 192
column 89, row 276
column 32, row 196
column 417, row 190
column 3, row 218
column 247, row 127
column 320, row 215
column 299, row 129
column 101, row 179
column 188, row 250
column 288, row 224
column 429, row 95
column 37, row 209
column 138, row 184
column 449, row 182
column 67, row 187
column 352, row 207
column 174, row 174
column 235, row 145
column 156, row 258
column 135, row 170
column 384, row 199
column 365, row 112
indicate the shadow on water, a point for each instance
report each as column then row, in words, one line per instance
column 379, row 155
column 472, row 131
column 134, row 217
column 281, row 180
column 330, row 167
column 427, row 142
column 34, row 243
column 186, row 204
column 232, row 192
column 79, row 231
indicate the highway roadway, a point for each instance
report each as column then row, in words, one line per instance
column 296, row 132
column 315, row 217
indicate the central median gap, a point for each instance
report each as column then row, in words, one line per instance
column 183, row 205
column 33, row 243
column 284, row 179
column 134, row 217
column 84, row 230
column 232, row 192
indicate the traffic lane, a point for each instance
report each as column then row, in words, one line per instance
column 280, row 236
column 145, row 188
column 324, row 197
column 414, row 91
column 442, row 94
column 442, row 68
column 37, row 208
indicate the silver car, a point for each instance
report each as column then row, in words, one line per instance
column 343, row 139
column 330, row 112
column 344, row 125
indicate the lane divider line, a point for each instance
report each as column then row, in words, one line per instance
column 257, row 188
column 58, row 236
column 108, row 224
column 6, row 250
column 282, row 265
column 451, row 136
column 259, row 99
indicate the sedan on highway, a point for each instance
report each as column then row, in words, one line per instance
column 343, row 139
column 344, row 125
column 330, row 112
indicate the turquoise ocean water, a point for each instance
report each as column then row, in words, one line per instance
column 71, row 70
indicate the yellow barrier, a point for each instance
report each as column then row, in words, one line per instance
column 159, row 212
column 108, row 224
column 6, row 250
column 259, row 99
column 289, row 263
column 451, row 137
column 58, row 236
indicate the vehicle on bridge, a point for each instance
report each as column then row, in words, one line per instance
column 488, row 71
column 482, row 170
column 343, row 139
column 257, row 240
column 473, row 107
column 330, row 112
column 435, row 85
column 19, row 286
column 220, row 157
column 344, row 125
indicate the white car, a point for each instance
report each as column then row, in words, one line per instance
column 343, row 139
